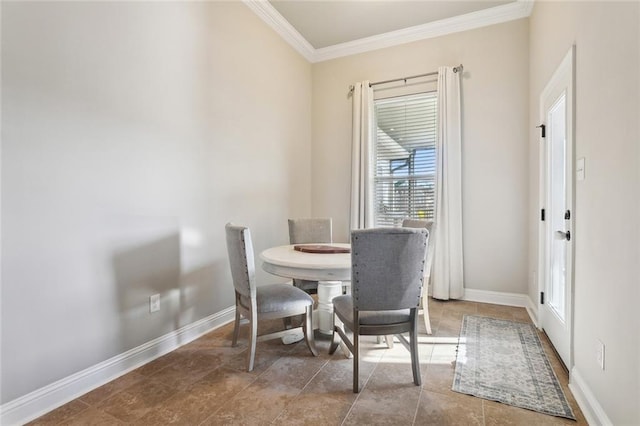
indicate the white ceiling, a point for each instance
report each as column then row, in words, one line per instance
column 327, row 29
column 327, row 23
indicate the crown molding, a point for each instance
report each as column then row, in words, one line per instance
column 272, row 17
column 469, row 21
column 495, row 15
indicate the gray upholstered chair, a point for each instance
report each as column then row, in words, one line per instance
column 306, row 231
column 428, row 225
column 255, row 303
column 387, row 270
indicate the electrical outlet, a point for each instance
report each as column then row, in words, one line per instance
column 154, row 303
column 600, row 354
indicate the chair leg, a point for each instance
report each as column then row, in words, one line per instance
column 415, row 359
column 425, row 306
column 253, row 337
column 308, row 330
column 389, row 340
column 335, row 342
column 427, row 323
column 356, row 357
column 236, row 327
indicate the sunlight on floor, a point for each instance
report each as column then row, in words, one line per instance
column 431, row 350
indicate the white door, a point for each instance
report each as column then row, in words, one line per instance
column 556, row 197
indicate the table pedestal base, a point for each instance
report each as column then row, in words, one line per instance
column 327, row 290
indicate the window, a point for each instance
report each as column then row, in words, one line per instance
column 405, row 158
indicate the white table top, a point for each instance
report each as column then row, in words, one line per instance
column 286, row 262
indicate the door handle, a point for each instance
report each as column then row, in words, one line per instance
column 564, row 235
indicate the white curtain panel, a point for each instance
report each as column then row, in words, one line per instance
column 447, row 275
column 361, row 157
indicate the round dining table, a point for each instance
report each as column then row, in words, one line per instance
column 331, row 270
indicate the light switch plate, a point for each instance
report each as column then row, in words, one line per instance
column 154, row 303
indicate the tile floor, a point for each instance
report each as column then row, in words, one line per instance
column 204, row 383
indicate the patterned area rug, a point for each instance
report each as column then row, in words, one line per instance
column 504, row 361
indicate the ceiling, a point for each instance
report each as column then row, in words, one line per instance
column 327, row 29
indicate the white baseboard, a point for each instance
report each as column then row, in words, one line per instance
column 502, row 298
column 532, row 310
column 591, row 408
column 41, row 401
column 496, row 297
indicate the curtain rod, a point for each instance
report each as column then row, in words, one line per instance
column 455, row 69
column 459, row 68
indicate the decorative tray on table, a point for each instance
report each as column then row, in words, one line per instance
column 321, row 248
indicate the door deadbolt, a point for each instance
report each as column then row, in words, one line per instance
column 564, row 235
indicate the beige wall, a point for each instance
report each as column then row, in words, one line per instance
column 131, row 133
column 495, row 164
column 607, row 252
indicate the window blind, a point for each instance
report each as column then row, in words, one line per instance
column 405, row 158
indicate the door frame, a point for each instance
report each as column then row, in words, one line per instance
column 566, row 70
